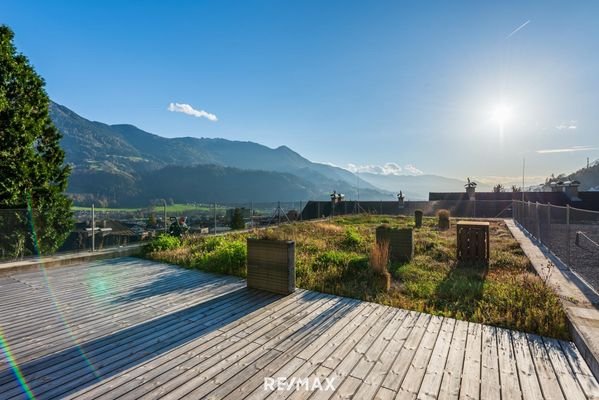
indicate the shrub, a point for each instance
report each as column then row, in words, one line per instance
column 418, row 218
column 443, row 216
column 224, row 257
column 162, row 242
column 352, row 239
column 210, row 243
column 329, row 259
column 237, row 221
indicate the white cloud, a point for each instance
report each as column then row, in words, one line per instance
column 189, row 110
column 389, row 168
column 567, row 149
column 413, row 170
column 570, row 125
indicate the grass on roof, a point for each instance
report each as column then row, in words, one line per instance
column 333, row 257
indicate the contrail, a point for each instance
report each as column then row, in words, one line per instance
column 567, row 149
column 517, row 29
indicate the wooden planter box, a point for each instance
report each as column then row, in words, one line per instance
column 418, row 218
column 401, row 242
column 271, row 265
column 473, row 241
column 444, row 224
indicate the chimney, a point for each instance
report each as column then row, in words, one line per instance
column 571, row 190
column 555, row 187
column 470, row 189
column 400, row 199
column 471, row 192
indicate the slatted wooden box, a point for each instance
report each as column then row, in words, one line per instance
column 271, row 265
column 473, row 241
column 401, row 242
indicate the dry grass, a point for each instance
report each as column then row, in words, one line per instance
column 379, row 257
column 379, row 262
column 338, row 257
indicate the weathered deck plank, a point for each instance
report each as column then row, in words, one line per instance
column 508, row 371
column 489, row 375
column 470, row 388
column 431, row 383
column 411, row 384
column 452, row 376
column 529, row 382
column 135, row 329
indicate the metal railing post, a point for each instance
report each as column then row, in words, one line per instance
column 568, row 231
column 164, row 216
column 215, row 218
column 528, row 217
column 538, row 222
column 93, row 228
column 549, row 220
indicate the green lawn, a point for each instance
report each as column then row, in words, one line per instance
column 173, row 208
column 104, row 209
column 333, row 257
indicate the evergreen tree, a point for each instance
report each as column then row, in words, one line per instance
column 237, row 219
column 32, row 170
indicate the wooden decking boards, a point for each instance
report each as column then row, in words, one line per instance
column 133, row 329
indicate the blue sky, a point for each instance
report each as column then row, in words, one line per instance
column 426, row 84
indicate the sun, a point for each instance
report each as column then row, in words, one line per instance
column 502, row 114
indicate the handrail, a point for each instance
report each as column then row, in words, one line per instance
column 556, row 206
column 580, row 233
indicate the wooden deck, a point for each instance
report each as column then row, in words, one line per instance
column 132, row 329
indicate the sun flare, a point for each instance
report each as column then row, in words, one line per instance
column 502, row 114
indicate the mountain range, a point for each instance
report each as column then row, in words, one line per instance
column 414, row 187
column 126, row 166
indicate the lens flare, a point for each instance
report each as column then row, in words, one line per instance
column 14, row 366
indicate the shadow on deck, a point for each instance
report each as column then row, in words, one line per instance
column 80, row 366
